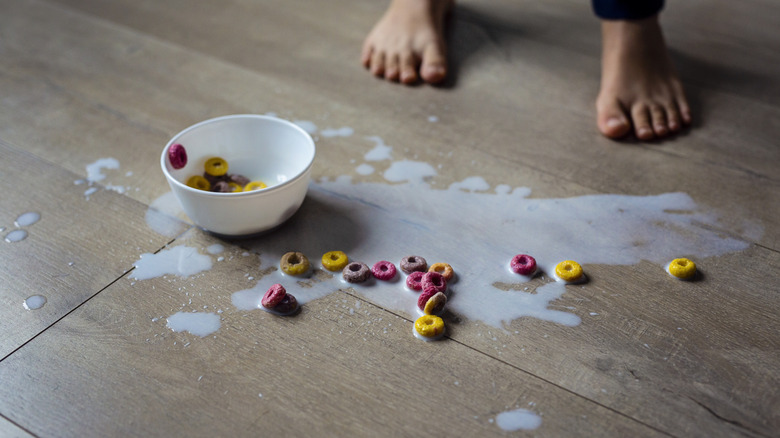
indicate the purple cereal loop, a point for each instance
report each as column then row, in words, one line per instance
column 273, row 296
column 287, row 306
column 356, row 272
column 239, row 179
column 222, row 187
column 413, row 263
column 523, row 264
column 383, row 270
column 433, row 281
column 413, row 280
column 177, row 155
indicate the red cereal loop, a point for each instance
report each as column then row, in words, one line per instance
column 177, row 155
column 424, row 297
column 523, row 264
column 413, row 280
column 383, row 270
column 273, row 296
column 433, row 282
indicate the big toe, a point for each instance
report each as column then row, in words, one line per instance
column 433, row 68
column 612, row 121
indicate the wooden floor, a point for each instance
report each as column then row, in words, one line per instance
column 82, row 80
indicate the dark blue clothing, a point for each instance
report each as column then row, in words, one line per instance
column 626, row 9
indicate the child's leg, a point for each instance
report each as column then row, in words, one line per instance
column 639, row 86
column 408, row 42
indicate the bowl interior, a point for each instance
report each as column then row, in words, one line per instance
column 261, row 148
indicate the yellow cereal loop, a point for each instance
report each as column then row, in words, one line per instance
column 216, row 166
column 334, row 260
column 429, row 326
column 568, row 270
column 294, row 263
column 235, row 187
column 444, row 269
column 254, row 185
column 199, row 182
column 682, row 268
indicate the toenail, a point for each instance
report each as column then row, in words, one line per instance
column 614, row 123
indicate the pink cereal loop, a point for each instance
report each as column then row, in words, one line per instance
column 273, row 296
column 422, row 300
column 383, row 270
column 177, row 155
column 413, row 281
column 433, row 281
column 523, row 264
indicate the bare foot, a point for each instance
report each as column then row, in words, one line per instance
column 639, row 86
column 408, row 42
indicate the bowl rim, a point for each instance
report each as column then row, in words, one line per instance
column 260, row 192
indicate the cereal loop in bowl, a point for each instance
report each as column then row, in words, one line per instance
column 356, row 272
column 383, row 270
column 413, row 263
column 334, row 260
column 177, row 155
column 216, row 166
column 294, row 263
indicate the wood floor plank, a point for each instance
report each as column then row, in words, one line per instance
column 339, row 368
column 79, row 245
column 90, row 79
column 549, row 130
column 10, row 430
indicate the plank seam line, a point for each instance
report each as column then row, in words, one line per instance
column 18, row 425
column 534, row 376
column 111, row 283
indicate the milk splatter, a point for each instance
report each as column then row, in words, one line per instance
column 183, row 261
column 345, row 131
column 478, row 233
column 27, row 219
column 518, row 419
column 380, row 152
column 409, row 171
column 95, row 170
column 161, row 216
column 215, row 248
column 34, row 302
column 16, row 236
column 364, row 169
column 198, row 323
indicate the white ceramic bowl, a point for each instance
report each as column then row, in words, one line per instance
column 264, row 148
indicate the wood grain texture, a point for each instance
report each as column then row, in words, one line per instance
column 341, row 367
column 79, row 246
column 8, row 429
column 88, row 79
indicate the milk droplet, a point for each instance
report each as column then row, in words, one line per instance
column 518, row 419
column 27, row 219
column 34, row 302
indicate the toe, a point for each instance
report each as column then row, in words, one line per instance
column 612, row 121
column 378, row 63
column 365, row 55
column 408, row 66
column 640, row 115
column 433, row 68
column 658, row 119
column 392, row 71
column 673, row 117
